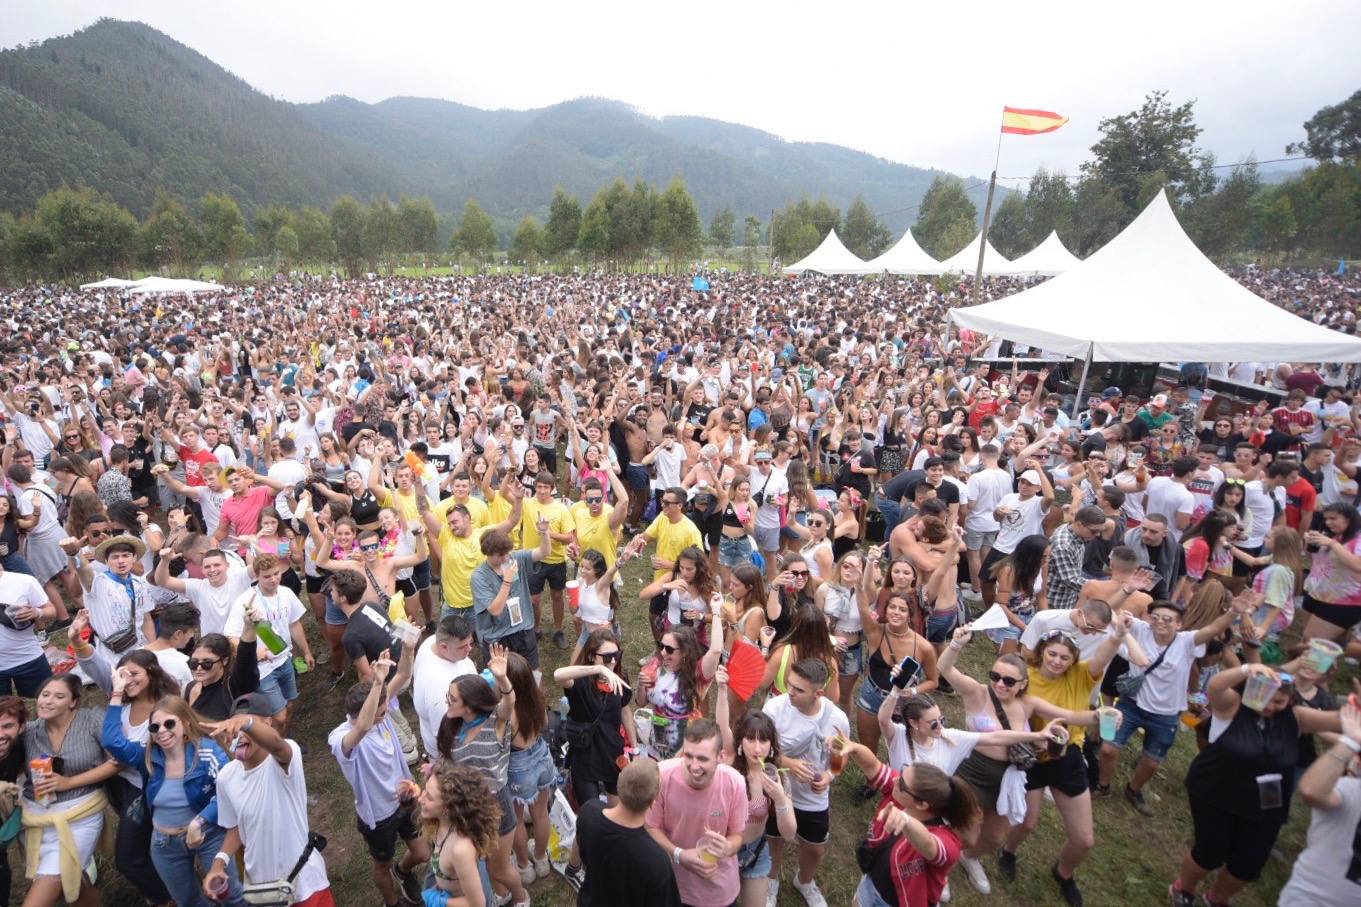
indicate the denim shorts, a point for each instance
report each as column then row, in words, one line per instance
column 280, row 687
column 768, row 540
column 420, row 575
column 866, row 895
column 940, row 625
column 531, row 772
column 734, row 552
column 1160, row 731
column 1010, row 631
column 853, row 661
column 870, row 697
column 758, row 850
column 335, row 617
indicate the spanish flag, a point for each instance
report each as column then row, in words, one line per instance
column 1017, row 121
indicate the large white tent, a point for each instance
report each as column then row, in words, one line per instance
column 1050, row 258
column 1151, row 296
column 108, row 283
column 905, row 257
column 830, row 257
column 965, row 261
column 173, row 285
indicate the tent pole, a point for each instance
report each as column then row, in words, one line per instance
column 987, row 215
column 1086, row 367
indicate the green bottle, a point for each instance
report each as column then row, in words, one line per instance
column 265, row 631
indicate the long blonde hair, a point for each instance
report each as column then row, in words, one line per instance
column 1287, row 549
column 193, row 731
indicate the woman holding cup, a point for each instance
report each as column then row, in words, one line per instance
column 1239, row 786
column 1332, row 592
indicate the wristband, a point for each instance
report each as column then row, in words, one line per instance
column 675, row 856
column 1350, row 744
column 225, row 857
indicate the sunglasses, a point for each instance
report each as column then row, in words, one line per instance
column 670, row 503
column 813, row 523
column 169, row 724
column 71, row 437
column 592, row 500
column 373, row 547
column 1235, row 482
column 610, row 656
column 203, row 664
column 93, row 531
column 665, row 649
column 936, row 724
column 1007, row 682
column 799, row 573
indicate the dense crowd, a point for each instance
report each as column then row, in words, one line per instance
column 407, row 487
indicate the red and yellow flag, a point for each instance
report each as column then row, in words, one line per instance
column 1017, row 121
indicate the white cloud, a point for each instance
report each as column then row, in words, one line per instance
column 918, row 83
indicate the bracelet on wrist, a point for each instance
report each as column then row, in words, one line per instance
column 1350, row 744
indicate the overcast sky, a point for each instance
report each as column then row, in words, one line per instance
column 920, row 83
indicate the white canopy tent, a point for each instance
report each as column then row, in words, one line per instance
column 904, row 257
column 108, row 283
column 965, row 261
column 1049, row 259
column 830, row 257
column 173, row 285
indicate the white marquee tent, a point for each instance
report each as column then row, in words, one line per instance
column 831, row 257
column 965, row 261
column 1150, row 295
column 173, row 285
column 905, row 257
column 108, row 283
column 1048, row 259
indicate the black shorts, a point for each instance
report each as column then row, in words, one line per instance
column 1117, row 669
column 406, row 587
column 315, row 584
column 1240, row 845
column 812, row 826
column 382, row 838
column 1344, row 616
column 1066, row 774
column 524, row 643
column 985, row 569
column 552, row 575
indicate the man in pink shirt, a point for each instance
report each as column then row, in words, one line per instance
column 698, row 818
column 241, row 511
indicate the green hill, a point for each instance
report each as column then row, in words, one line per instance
column 127, row 110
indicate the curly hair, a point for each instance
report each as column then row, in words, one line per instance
column 469, row 805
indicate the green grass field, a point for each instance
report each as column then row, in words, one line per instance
column 1132, row 863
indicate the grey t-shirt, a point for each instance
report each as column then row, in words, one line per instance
column 544, row 427
column 517, row 615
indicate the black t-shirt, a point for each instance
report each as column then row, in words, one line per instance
column 368, row 633
column 354, row 427
column 1135, row 430
column 1223, row 447
column 857, row 480
column 623, row 865
column 13, row 766
column 946, row 491
column 1278, row 442
column 897, row 487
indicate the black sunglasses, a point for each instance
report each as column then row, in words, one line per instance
column 608, row 656
column 594, row 500
column 203, row 664
column 1007, row 682
column 665, row 649
column 93, row 531
column 799, row 573
column 169, row 724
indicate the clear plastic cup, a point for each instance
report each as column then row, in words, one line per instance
column 408, row 633
column 217, row 888
column 1259, row 689
column 1109, row 718
column 1322, row 654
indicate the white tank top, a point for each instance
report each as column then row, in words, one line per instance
column 591, row 608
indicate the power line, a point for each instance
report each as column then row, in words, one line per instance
column 1275, row 160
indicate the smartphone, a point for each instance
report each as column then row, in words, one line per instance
column 909, row 668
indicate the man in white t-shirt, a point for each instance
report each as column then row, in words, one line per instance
column 805, row 719
column 1018, row 515
column 1204, row 482
column 269, row 601
column 224, row 583
column 1165, row 655
column 1089, row 624
column 770, row 490
column 300, row 426
column 441, row 659
column 23, row 602
column 1324, row 873
column 287, row 470
column 262, row 803
column 986, row 489
column 667, row 457
column 1169, row 496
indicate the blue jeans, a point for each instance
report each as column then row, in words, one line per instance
column 893, row 514
column 868, row 896
column 26, row 678
column 180, row 867
column 1160, row 731
column 14, row 563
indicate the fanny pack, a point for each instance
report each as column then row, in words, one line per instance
column 1129, row 684
column 280, row 893
column 123, row 640
column 1021, row 755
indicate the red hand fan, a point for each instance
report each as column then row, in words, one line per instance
column 746, row 667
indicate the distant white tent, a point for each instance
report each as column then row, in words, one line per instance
column 905, row 257
column 1048, row 259
column 831, row 257
column 108, row 283
column 965, row 261
column 174, row 285
column 1150, row 295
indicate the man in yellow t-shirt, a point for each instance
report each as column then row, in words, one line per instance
column 408, row 499
column 552, row 570
column 673, row 532
column 460, row 551
column 597, row 523
column 461, row 492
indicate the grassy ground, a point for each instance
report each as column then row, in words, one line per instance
column 1133, row 861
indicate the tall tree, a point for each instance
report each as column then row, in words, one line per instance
column 315, row 242
column 382, row 233
column 268, row 221
column 678, row 230
column 86, row 232
column 1332, row 134
column 170, row 237
column 1277, row 225
column 527, row 246
column 862, row 232
column 476, row 236
column 347, row 233
column 751, row 238
column 594, row 241
column 723, row 229
column 1098, row 215
column 564, row 224
column 417, row 225
column 1010, row 228
column 286, row 245
column 224, row 231
column 945, row 215
column 1223, row 221
column 1048, row 207
column 1156, row 138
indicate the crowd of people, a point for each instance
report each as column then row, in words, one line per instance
column 417, row 495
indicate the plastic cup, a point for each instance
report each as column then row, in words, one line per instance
column 642, row 721
column 1259, row 689
column 408, row 633
column 1322, row 654
column 217, row 888
column 1109, row 717
column 574, row 593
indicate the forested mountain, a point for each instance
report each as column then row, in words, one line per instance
column 127, row 110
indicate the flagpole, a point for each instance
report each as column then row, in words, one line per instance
column 987, row 213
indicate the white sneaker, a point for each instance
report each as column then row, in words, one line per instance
column 1048, row 796
column 543, row 867
column 945, row 893
column 772, row 892
column 976, row 874
column 527, row 876
column 811, row 892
